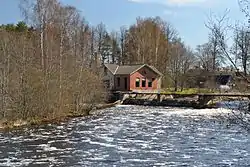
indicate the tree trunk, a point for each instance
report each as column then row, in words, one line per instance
column 175, row 85
column 61, row 71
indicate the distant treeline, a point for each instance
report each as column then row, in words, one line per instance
column 51, row 65
column 44, row 69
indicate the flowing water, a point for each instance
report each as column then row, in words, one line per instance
column 131, row 136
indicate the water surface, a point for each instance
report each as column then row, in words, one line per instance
column 131, row 136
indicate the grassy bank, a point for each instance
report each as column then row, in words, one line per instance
column 9, row 124
column 189, row 91
column 6, row 125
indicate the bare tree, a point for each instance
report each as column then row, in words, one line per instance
column 241, row 45
column 44, row 70
column 115, row 50
column 101, row 33
column 179, row 63
column 218, row 27
column 5, row 71
column 188, row 61
column 149, row 41
column 123, row 55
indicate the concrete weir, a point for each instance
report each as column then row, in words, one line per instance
column 204, row 100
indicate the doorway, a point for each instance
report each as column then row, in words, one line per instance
column 125, row 83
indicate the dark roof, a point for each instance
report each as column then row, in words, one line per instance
column 154, row 69
column 128, row 69
column 112, row 67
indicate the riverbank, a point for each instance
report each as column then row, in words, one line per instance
column 6, row 125
column 179, row 101
column 189, row 102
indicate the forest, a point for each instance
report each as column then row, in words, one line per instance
column 50, row 62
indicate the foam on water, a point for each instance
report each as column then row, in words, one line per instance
column 131, row 136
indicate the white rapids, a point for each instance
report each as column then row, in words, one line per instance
column 132, row 136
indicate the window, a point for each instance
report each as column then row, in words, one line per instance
column 143, row 82
column 150, row 83
column 118, row 82
column 137, row 82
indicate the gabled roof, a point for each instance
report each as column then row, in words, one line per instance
column 111, row 67
column 129, row 69
column 155, row 70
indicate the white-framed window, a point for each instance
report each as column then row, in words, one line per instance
column 137, row 82
column 143, row 82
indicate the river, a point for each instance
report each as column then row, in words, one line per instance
column 131, row 136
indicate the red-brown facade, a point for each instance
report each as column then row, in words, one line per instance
column 143, row 79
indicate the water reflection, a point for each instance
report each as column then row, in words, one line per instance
column 130, row 136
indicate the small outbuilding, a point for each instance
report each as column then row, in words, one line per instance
column 132, row 77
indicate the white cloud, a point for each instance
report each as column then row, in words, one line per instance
column 174, row 2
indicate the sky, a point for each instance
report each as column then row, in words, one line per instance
column 187, row 16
